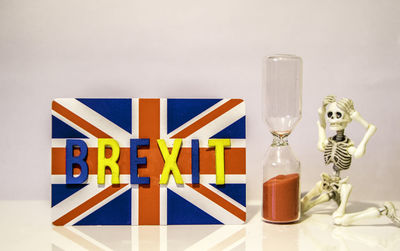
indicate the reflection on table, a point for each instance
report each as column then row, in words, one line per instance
column 33, row 231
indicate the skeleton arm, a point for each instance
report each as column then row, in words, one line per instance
column 359, row 151
column 322, row 141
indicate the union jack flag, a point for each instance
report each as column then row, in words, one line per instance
column 90, row 203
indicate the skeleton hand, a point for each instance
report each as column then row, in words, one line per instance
column 321, row 111
column 348, row 106
column 328, row 99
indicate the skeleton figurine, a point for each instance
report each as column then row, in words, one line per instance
column 338, row 151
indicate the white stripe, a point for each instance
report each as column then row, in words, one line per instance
column 135, row 238
column 61, row 143
column 163, row 238
column 187, row 178
column 205, row 204
column 61, row 241
column 92, row 179
column 100, row 204
column 135, row 118
column 71, row 124
column 205, row 180
column 82, row 195
column 210, row 178
column 220, row 123
column 163, row 204
column 214, row 238
column 96, row 119
column 74, row 200
column 135, row 204
column 212, row 108
column 88, row 238
column 60, row 179
column 225, row 197
column 186, row 143
column 163, row 118
column 203, row 142
column 236, row 243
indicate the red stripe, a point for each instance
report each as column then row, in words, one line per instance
column 88, row 204
column 219, row 201
column 79, row 121
column 235, row 161
column 149, row 195
column 58, row 160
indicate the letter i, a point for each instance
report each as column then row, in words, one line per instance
column 195, row 161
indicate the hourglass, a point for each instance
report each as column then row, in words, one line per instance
column 282, row 90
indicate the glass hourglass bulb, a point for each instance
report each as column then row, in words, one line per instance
column 282, row 101
column 282, row 93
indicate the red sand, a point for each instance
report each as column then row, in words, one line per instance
column 281, row 198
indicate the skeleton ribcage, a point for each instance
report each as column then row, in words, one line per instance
column 336, row 153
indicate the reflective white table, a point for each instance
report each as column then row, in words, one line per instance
column 26, row 225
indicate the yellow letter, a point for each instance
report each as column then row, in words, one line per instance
column 219, row 145
column 170, row 161
column 111, row 162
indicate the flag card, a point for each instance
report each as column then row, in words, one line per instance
column 134, row 161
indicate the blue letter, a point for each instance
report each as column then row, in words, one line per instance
column 80, row 160
column 135, row 161
column 195, row 161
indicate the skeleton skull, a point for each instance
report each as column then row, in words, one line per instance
column 337, row 118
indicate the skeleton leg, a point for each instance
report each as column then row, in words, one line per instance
column 388, row 210
column 306, row 202
column 321, row 199
column 345, row 190
column 348, row 219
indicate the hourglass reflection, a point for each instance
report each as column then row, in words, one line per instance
column 282, row 101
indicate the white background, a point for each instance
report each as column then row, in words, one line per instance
column 207, row 48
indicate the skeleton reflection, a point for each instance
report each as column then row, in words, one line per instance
column 338, row 152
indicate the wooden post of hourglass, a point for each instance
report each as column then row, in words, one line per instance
column 282, row 90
